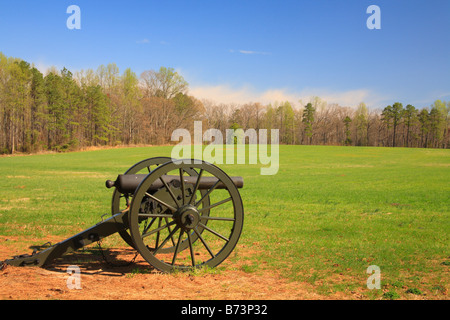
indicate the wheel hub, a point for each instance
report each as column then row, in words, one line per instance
column 187, row 217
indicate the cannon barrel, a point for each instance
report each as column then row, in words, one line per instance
column 128, row 183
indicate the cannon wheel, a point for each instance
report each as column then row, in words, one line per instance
column 145, row 166
column 185, row 219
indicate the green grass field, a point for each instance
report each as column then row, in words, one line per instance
column 324, row 218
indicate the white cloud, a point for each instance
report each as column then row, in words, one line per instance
column 253, row 52
column 345, row 98
column 44, row 67
column 143, row 41
column 224, row 94
column 246, row 94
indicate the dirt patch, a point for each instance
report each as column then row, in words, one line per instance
column 100, row 280
column 18, row 177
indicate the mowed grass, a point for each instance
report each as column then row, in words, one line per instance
column 324, row 218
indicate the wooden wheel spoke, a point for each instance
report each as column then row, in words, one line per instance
column 170, row 191
column 177, row 247
column 215, row 204
column 207, row 193
column 158, row 233
column 196, row 186
column 191, row 249
column 155, row 215
column 217, row 218
column 183, row 191
column 165, row 240
column 148, row 227
column 204, row 243
column 170, row 231
column 213, row 232
column 144, row 235
column 161, row 202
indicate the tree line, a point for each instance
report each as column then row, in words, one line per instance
column 61, row 110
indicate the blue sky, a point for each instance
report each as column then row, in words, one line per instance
column 241, row 51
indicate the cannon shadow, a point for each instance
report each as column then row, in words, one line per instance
column 115, row 262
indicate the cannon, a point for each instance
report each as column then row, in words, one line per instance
column 177, row 214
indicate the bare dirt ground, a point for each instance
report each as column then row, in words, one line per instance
column 100, row 280
column 120, row 278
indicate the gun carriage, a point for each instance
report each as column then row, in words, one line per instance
column 177, row 214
